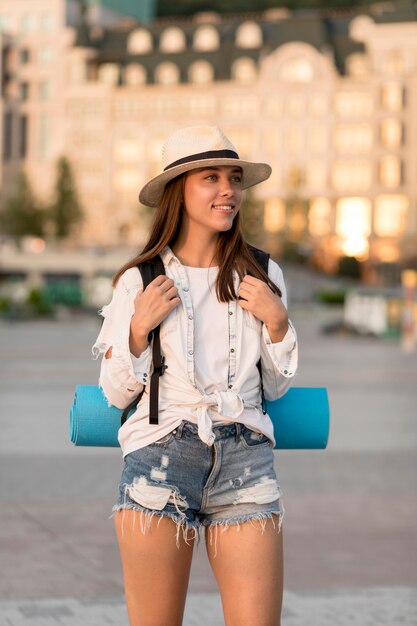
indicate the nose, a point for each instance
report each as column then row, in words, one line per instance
column 226, row 188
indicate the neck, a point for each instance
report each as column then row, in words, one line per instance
column 196, row 251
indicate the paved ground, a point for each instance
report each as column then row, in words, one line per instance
column 350, row 526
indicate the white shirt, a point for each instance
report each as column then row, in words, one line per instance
column 211, row 350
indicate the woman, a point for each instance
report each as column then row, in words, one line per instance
column 209, row 460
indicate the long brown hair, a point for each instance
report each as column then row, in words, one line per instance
column 232, row 251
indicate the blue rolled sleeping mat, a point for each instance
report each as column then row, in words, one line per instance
column 301, row 418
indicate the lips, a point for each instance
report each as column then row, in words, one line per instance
column 227, row 208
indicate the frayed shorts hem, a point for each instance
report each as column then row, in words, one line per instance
column 191, row 530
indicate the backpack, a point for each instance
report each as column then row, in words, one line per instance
column 149, row 271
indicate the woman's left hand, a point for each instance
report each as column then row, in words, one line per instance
column 256, row 297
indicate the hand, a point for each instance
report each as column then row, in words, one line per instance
column 151, row 307
column 256, row 297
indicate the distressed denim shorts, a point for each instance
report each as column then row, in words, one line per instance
column 180, row 477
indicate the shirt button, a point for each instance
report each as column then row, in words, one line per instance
column 190, row 351
column 285, row 371
column 185, row 289
column 232, row 349
column 230, row 386
column 145, row 375
column 230, row 312
column 190, row 317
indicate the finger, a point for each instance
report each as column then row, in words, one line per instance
column 160, row 280
column 251, row 280
column 244, row 304
column 172, row 293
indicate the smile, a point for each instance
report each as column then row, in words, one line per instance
column 226, row 208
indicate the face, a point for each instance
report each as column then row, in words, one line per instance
column 212, row 198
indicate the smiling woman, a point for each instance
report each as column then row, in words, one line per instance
column 208, row 462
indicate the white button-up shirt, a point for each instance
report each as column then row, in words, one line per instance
column 235, row 396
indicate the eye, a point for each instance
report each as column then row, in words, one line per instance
column 212, row 177
column 237, row 178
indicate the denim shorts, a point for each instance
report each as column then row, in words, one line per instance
column 180, row 477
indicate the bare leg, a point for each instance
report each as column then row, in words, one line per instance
column 248, row 566
column 155, row 570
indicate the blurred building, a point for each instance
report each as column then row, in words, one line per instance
column 327, row 98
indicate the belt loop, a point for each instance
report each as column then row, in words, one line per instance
column 179, row 429
column 238, row 429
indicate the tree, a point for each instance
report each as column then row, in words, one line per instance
column 65, row 211
column 22, row 213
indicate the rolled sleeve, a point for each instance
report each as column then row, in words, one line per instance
column 142, row 365
column 122, row 375
column 279, row 360
column 284, row 353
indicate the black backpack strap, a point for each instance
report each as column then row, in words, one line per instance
column 262, row 258
column 149, row 271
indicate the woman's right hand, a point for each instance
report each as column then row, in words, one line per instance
column 151, row 307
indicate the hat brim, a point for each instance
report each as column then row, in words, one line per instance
column 252, row 174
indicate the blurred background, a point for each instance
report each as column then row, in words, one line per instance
column 326, row 92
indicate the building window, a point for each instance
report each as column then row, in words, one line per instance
column 390, row 174
column 316, row 175
column 126, row 180
column 172, row 40
column 294, row 140
column 246, row 107
column 78, row 71
column 206, row 38
column 44, row 123
column 319, row 217
column 24, row 91
column 249, row 35
column 353, row 138
column 274, row 215
column 394, row 62
column 244, row 70
column 295, row 105
column 201, row 72
column 24, row 56
column 4, row 23
column 167, row 74
column 352, row 174
column 391, row 215
column 28, row 23
column 47, row 22
column 353, row 103
column 392, row 97
column 358, row 66
column 23, row 136
column 317, row 139
column 127, row 151
column 109, row 73
column 7, row 136
column 297, row 70
column 353, row 225
column 391, row 133
column 139, row 42
column 45, row 55
column 318, row 105
column 134, row 75
column 44, row 90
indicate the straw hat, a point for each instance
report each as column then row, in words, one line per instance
column 194, row 147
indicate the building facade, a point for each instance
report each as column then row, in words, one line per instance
column 326, row 98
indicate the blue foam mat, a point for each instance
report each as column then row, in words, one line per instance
column 301, row 418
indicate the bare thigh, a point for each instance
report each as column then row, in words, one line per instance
column 156, row 571
column 248, row 566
